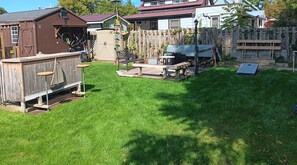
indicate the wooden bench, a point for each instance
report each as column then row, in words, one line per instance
column 258, row 45
column 177, row 68
column 125, row 56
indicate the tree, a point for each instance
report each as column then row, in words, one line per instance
column 273, row 10
column 129, row 9
column 284, row 11
column 80, row 7
column 106, row 6
column 287, row 17
column 83, row 7
column 238, row 16
column 2, row 10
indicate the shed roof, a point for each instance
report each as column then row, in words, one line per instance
column 30, row 15
column 96, row 17
column 257, row 13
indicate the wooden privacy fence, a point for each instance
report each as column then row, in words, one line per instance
column 147, row 42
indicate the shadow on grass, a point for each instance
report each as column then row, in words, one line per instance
column 96, row 90
column 148, row 148
column 90, row 87
column 229, row 118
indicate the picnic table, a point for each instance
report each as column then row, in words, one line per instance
column 179, row 69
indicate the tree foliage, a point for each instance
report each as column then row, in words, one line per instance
column 84, row 7
column 238, row 16
column 273, row 10
column 287, row 17
column 80, row 7
column 2, row 10
column 284, row 11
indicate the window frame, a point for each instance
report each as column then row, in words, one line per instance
column 162, row 2
column 156, row 3
column 154, row 24
column 14, row 33
column 170, row 23
column 218, row 21
column 176, row 1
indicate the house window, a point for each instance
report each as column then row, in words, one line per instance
column 95, row 26
column 176, row 1
column 184, row 0
column 14, row 34
column 174, row 24
column 154, row 25
column 162, row 2
column 215, row 21
column 64, row 14
column 154, row 3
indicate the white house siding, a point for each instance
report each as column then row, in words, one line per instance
column 192, row 0
column 209, row 11
column 186, row 22
column 147, row 4
column 168, row 1
column 163, row 24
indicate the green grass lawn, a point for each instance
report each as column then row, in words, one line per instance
column 217, row 117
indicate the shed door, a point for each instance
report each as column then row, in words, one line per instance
column 2, row 51
column 104, row 46
column 27, row 43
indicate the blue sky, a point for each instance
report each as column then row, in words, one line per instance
column 23, row 5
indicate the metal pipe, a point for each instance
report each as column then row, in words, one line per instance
column 46, row 93
column 83, row 80
column 196, row 64
column 294, row 53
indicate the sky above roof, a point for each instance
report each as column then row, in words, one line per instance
column 24, row 5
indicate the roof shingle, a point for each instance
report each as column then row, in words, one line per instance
column 27, row 15
column 96, row 17
column 161, row 14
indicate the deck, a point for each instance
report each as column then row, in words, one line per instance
column 154, row 73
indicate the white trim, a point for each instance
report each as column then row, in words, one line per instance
column 93, row 23
column 115, row 16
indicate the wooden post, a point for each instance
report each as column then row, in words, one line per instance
column 177, row 74
column 140, row 71
column 139, row 40
column 164, row 73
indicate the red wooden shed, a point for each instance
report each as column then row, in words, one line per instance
column 50, row 30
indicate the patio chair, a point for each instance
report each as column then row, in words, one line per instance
column 125, row 56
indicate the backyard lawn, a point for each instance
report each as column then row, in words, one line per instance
column 217, row 117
